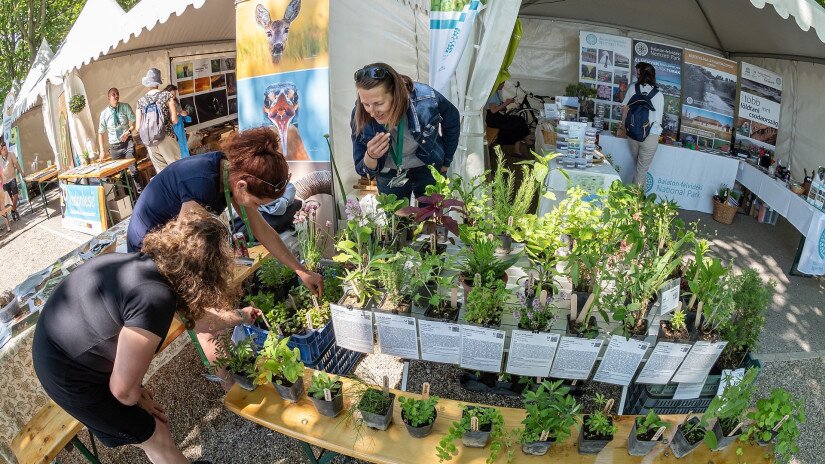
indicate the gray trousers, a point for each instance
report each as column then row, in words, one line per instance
column 643, row 153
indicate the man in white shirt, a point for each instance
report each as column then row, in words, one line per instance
column 643, row 152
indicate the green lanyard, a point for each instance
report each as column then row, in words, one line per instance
column 398, row 150
column 251, row 238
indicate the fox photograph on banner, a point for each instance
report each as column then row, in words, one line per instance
column 604, row 65
column 760, row 100
column 667, row 61
column 283, row 76
column 708, row 98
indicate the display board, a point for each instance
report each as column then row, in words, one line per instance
column 604, row 65
column 667, row 61
column 708, row 97
column 760, row 101
column 85, row 208
column 207, row 88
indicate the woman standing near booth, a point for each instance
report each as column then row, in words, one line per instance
column 399, row 129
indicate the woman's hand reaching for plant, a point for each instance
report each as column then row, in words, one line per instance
column 249, row 314
column 313, row 281
column 147, row 403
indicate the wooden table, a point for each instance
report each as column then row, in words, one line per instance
column 115, row 170
column 42, row 178
column 394, row 446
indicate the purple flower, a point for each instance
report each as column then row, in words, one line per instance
column 352, row 209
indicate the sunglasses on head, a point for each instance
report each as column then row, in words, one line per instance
column 373, row 72
column 281, row 185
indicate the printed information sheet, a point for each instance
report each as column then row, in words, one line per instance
column 621, row 360
column 481, row 348
column 698, row 362
column 353, row 328
column 688, row 391
column 663, row 362
column 575, row 358
column 531, row 354
column 397, row 335
column 440, row 341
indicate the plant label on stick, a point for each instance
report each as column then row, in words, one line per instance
column 699, row 315
column 543, row 297
column 574, row 304
column 585, row 309
column 544, row 435
column 510, row 221
column 314, row 301
column 309, row 321
column 327, row 394
column 454, row 297
column 432, row 243
column 659, row 433
column 477, row 280
column 779, row 424
column 425, row 390
column 574, row 382
column 538, row 379
column 474, row 424
column 386, row 386
column 736, row 429
column 291, row 302
column 608, row 406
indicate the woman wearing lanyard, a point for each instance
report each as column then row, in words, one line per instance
column 249, row 173
column 399, row 129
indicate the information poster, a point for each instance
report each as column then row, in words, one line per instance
column 575, row 358
column 698, row 362
column 440, row 341
column 604, row 65
column 531, row 354
column 760, row 100
column 481, row 348
column 667, row 61
column 663, row 362
column 397, row 335
column 207, row 89
column 85, row 208
column 353, row 328
column 709, row 93
column 621, row 360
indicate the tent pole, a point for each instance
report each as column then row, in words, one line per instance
column 712, row 29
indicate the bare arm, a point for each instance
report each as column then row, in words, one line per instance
column 100, row 143
column 138, row 119
column 135, row 349
column 173, row 112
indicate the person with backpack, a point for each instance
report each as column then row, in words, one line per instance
column 156, row 119
column 642, row 112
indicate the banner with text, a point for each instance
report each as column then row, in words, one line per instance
column 85, row 208
column 604, row 65
column 709, row 93
column 760, row 100
column 450, row 25
column 667, row 61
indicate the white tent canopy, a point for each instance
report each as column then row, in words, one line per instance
column 35, row 84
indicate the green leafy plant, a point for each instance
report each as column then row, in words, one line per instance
column 359, row 249
column 394, row 271
column 279, row 316
column 486, row 302
column 277, row 362
column 600, row 422
column 238, row 358
column 471, row 192
column 479, row 256
column 373, row 401
column 751, row 297
column 648, row 425
column 769, row 413
column 692, row 429
column 532, row 313
column 677, row 320
column 542, row 238
column 312, row 237
column 322, row 381
column 550, row 409
column 77, row 103
column 486, row 416
column 274, row 274
column 434, row 211
column 391, row 229
column 730, row 407
column 417, row 412
column 507, row 200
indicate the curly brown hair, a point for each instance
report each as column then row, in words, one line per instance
column 255, row 156
column 192, row 252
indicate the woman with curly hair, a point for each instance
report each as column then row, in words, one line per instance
column 103, row 324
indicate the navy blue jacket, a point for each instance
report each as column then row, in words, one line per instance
column 428, row 109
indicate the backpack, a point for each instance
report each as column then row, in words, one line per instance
column 152, row 129
column 637, row 123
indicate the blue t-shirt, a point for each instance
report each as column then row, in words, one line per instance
column 195, row 178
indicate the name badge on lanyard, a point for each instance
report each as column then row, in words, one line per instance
column 397, row 153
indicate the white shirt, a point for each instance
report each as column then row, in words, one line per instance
column 658, row 102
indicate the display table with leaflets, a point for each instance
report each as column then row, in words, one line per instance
column 43, row 178
column 86, row 207
column 591, row 179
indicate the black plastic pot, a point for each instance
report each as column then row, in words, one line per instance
column 722, row 440
column 430, row 314
column 422, row 431
column 636, row 447
column 330, row 408
column 762, row 442
column 680, row 445
column 591, row 322
column 379, row 421
column 243, row 381
column 592, row 446
column 506, row 244
column 290, row 391
column 537, row 448
column 479, row 438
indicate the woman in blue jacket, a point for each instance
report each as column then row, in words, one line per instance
column 390, row 104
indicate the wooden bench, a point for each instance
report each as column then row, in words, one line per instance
column 52, row 428
column 394, row 446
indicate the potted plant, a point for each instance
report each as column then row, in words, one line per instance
column 282, row 366
column 433, row 213
column 509, row 205
column 477, row 427
column 485, row 303
column 542, row 238
column 280, row 317
column 277, row 278
column 376, row 408
column 392, row 233
column 479, row 258
column 440, row 306
column 312, row 238
column 776, row 419
column 729, row 410
column 360, row 253
column 534, row 313
column 647, row 431
column 237, row 358
column 597, row 427
column 551, row 412
column 418, row 415
column 394, row 272
column 689, row 435
column 751, row 297
column 323, row 386
column 676, row 328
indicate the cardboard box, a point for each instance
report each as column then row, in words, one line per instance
column 120, row 209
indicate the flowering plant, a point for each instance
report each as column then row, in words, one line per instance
column 312, row 238
column 531, row 312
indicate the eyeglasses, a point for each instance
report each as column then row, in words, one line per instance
column 281, row 185
column 374, row 72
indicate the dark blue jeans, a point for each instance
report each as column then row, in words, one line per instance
column 419, row 179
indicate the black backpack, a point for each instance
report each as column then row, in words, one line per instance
column 637, row 122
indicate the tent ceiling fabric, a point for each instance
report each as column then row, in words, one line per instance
column 756, row 30
column 34, row 84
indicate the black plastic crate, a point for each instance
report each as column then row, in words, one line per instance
column 640, row 401
column 337, row 360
